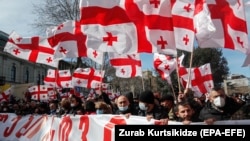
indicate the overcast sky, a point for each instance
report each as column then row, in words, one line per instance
column 16, row 15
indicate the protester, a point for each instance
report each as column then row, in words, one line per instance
column 219, row 106
column 149, row 109
column 167, row 102
column 124, row 107
column 185, row 113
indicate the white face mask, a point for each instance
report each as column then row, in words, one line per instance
column 123, row 108
column 142, row 106
column 219, row 101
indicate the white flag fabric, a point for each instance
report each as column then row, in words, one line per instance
column 34, row 49
column 204, row 26
column 126, row 65
column 246, row 61
column 87, row 77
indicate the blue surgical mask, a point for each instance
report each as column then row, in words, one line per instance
column 99, row 111
column 143, row 107
column 123, row 108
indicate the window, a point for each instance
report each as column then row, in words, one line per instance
column 27, row 75
column 38, row 78
column 13, row 73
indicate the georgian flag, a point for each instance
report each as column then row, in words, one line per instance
column 39, row 92
column 34, row 49
column 183, row 14
column 108, row 27
column 58, row 78
column 229, row 19
column 246, row 61
column 4, row 96
column 52, row 94
column 87, row 77
column 126, row 66
column 164, row 65
column 70, row 42
column 153, row 21
column 102, row 86
column 201, row 80
column 204, row 26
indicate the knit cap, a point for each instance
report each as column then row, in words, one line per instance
column 147, row 97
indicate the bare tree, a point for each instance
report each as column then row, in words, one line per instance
column 54, row 12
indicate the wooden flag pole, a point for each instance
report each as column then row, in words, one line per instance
column 189, row 70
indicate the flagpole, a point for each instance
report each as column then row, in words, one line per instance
column 178, row 78
column 102, row 68
column 171, row 85
column 189, row 70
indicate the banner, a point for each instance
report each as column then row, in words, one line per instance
column 69, row 127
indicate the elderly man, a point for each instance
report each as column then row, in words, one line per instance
column 124, row 106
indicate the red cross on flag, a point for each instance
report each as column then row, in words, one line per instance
column 69, row 42
column 39, row 93
column 201, row 80
column 230, row 22
column 164, row 65
column 183, row 14
column 126, row 66
column 107, row 26
column 58, row 78
column 87, row 77
column 4, row 96
column 34, row 49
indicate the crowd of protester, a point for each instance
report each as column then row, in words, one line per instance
column 182, row 107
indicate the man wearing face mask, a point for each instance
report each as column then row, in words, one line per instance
column 150, row 109
column 218, row 107
column 124, row 106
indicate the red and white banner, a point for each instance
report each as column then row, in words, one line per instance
column 78, row 127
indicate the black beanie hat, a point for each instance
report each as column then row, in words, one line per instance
column 147, row 97
column 167, row 97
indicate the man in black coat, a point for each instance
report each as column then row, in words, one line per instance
column 219, row 107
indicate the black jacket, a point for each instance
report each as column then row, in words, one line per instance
column 224, row 113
